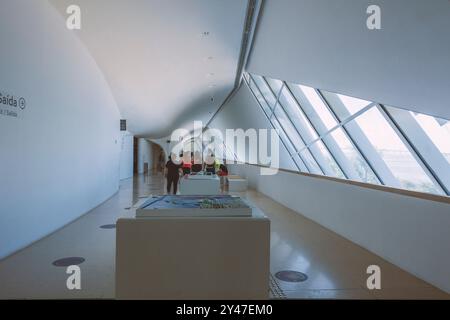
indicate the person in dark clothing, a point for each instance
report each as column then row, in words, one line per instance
column 172, row 175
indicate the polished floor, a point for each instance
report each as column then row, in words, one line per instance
column 336, row 268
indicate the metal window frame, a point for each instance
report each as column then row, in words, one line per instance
column 332, row 144
column 398, row 130
column 347, row 133
column 341, row 124
column 270, row 121
column 413, row 150
column 293, row 125
column 271, row 107
column 423, row 143
column 308, row 120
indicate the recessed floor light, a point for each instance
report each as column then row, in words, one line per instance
column 108, row 226
column 70, row 261
column 291, row 276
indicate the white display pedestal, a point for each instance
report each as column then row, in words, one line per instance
column 200, row 185
column 193, row 258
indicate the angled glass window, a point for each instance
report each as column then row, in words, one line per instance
column 310, row 162
column 314, row 107
column 345, row 106
column 345, row 153
column 262, row 101
column 247, row 76
column 289, row 146
column 274, row 122
column 430, row 137
column 297, row 116
column 351, row 138
column 275, row 85
column 308, row 134
column 438, row 130
column 288, row 143
column 326, row 160
column 289, row 128
column 398, row 158
column 265, row 90
column 353, row 163
column 300, row 164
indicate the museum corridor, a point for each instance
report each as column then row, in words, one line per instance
column 305, row 145
column 335, row 267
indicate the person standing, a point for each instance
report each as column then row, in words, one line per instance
column 223, row 173
column 172, row 175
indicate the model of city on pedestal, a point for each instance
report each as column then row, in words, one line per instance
column 194, row 206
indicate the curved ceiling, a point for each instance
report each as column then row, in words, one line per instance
column 169, row 62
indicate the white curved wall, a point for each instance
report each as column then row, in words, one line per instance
column 60, row 157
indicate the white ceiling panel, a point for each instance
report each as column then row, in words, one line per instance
column 161, row 67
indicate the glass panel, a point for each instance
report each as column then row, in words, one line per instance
column 394, row 153
column 310, row 162
column 301, row 115
column 329, row 166
column 275, row 85
column 300, row 163
column 265, row 90
column 283, row 136
column 353, row 105
column 260, row 98
column 438, row 130
column 297, row 141
column 314, row 107
column 290, row 148
column 344, row 106
column 345, row 153
column 297, row 116
column 359, row 166
column 289, row 129
column 246, row 76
